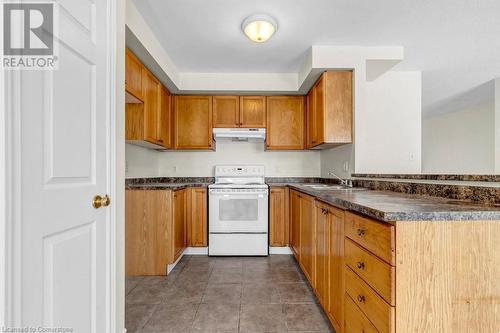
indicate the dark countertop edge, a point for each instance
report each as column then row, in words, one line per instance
column 449, row 177
column 167, row 186
column 393, row 217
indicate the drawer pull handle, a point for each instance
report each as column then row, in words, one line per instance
column 360, row 265
column 361, row 232
column 361, row 298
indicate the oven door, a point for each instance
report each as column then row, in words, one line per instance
column 238, row 211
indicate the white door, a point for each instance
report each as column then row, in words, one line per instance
column 61, row 266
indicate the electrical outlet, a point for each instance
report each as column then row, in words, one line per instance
column 411, row 156
column 126, row 166
column 174, row 168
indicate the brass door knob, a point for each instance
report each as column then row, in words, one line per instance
column 99, row 201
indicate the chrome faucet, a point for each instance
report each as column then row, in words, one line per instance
column 343, row 182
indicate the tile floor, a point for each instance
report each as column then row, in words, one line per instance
column 207, row 294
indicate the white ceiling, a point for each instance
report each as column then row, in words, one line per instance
column 455, row 43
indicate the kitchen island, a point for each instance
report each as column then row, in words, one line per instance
column 383, row 261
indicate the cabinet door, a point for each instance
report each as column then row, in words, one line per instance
column 336, row 268
column 278, row 217
column 179, row 223
column 322, row 254
column 311, row 140
column 295, row 223
column 165, row 118
column 226, row 111
column 307, row 235
column 147, row 219
column 198, row 217
column 133, row 75
column 253, row 111
column 193, row 122
column 318, row 111
column 338, row 107
column 285, row 123
column 152, row 92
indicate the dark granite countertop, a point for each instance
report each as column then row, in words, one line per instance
column 394, row 206
column 164, row 186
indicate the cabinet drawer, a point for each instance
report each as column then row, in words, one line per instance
column 377, row 273
column 378, row 311
column 355, row 320
column 374, row 236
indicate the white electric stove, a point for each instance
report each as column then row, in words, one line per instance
column 238, row 212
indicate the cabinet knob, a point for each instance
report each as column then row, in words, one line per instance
column 361, row 232
column 360, row 265
column 361, row 298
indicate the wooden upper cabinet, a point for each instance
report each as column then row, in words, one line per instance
column 310, row 123
column 149, row 123
column 226, row 111
column 329, row 112
column 318, row 107
column 133, row 75
column 239, row 111
column 285, row 123
column 193, row 122
column 165, row 125
column 253, row 111
column 278, row 216
column 152, row 112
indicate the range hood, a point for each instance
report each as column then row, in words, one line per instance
column 240, row 134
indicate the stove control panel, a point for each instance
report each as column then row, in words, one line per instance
column 239, row 170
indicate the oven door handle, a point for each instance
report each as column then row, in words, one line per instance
column 226, row 194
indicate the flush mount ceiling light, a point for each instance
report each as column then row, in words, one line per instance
column 259, row 28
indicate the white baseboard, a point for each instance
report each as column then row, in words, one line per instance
column 279, row 250
column 196, row 251
column 170, row 267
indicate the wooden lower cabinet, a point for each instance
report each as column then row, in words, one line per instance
column 279, row 216
column 295, row 223
column 355, row 320
column 445, row 278
column 178, row 231
column 159, row 225
column 329, row 270
column 307, row 235
column 336, row 267
column 322, row 253
column 148, row 214
column 197, row 217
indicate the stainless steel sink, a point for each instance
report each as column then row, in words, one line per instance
column 327, row 187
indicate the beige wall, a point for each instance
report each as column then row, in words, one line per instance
column 461, row 142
